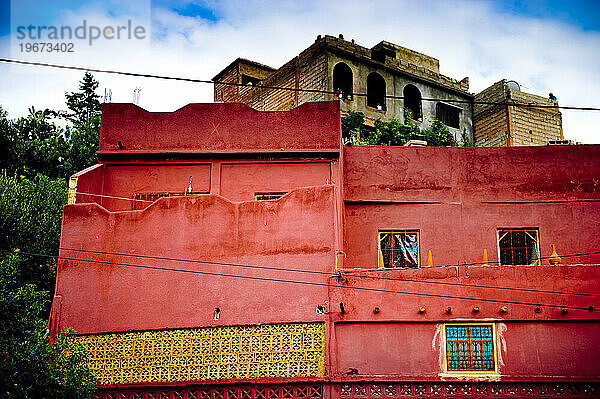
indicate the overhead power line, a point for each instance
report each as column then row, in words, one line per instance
column 293, row 89
column 474, row 263
column 345, row 272
column 311, row 283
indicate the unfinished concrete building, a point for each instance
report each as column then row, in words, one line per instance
column 503, row 115
column 380, row 82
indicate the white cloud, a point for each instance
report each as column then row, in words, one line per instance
column 469, row 38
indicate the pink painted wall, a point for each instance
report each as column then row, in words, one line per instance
column 228, row 127
column 293, row 232
column 458, row 198
column 482, row 174
column 89, row 181
column 123, row 180
column 239, row 181
column 411, row 351
column 402, row 350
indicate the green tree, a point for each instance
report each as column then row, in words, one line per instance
column 466, row 140
column 352, row 123
column 84, row 117
column 30, row 219
column 439, row 135
column 34, row 144
column 394, row 133
column 30, row 365
column 7, row 139
column 84, row 105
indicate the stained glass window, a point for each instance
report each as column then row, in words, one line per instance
column 470, row 348
column 399, row 249
column 519, row 246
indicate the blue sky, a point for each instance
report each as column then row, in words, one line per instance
column 554, row 45
column 580, row 13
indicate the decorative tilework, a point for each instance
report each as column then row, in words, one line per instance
column 266, row 350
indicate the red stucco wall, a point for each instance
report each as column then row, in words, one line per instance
column 294, row 232
column 457, row 198
column 411, row 351
column 219, row 128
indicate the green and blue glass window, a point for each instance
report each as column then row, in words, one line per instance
column 470, row 348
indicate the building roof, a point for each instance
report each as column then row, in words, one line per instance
column 422, row 67
column 239, row 60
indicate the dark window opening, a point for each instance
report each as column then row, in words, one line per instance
column 519, row 246
column 342, row 81
column 376, row 91
column 142, row 200
column 448, row 115
column 470, row 348
column 249, row 80
column 412, row 101
column 399, row 249
column 268, row 196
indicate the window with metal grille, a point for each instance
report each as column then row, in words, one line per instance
column 268, row 196
column 448, row 115
column 470, row 348
column 399, row 248
column 519, row 246
column 142, row 200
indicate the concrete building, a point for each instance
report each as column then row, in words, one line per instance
column 505, row 116
column 343, row 68
column 222, row 252
column 392, row 78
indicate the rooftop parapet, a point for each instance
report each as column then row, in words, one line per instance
column 219, row 128
column 399, row 59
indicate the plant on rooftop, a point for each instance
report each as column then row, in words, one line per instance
column 393, row 132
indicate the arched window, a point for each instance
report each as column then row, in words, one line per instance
column 342, row 81
column 412, row 101
column 376, row 91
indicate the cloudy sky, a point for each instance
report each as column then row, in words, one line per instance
column 544, row 45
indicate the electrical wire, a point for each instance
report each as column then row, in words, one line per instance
column 470, row 264
column 346, row 273
column 113, row 197
column 199, row 261
column 311, row 283
column 293, row 89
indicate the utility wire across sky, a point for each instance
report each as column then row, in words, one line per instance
column 192, row 80
column 310, row 283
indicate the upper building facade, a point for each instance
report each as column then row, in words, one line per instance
column 389, row 76
column 222, row 252
column 382, row 81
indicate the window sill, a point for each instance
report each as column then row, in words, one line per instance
column 471, row 376
column 377, row 109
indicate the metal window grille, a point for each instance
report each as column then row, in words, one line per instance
column 140, row 200
column 268, row 196
column 470, row 348
column 519, row 246
column 399, row 249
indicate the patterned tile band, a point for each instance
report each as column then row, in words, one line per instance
column 266, row 350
